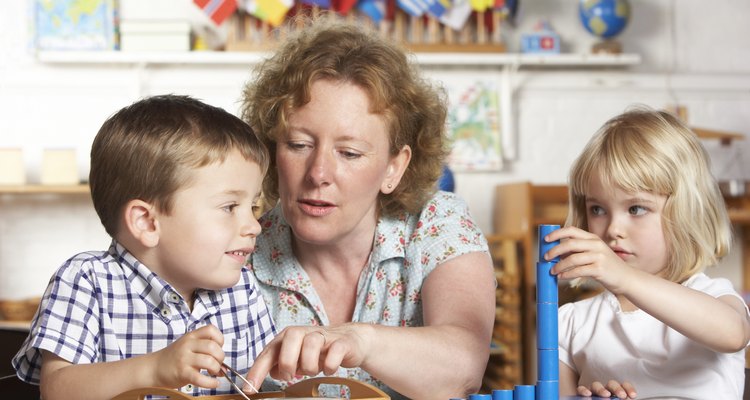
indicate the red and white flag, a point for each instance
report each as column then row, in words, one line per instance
column 217, row 10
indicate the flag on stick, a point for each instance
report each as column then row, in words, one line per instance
column 375, row 9
column 274, row 11
column 217, row 10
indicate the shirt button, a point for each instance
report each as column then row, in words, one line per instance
column 165, row 312
column 174, row 298
column 188, row 388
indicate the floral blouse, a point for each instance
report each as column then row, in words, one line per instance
column 405, row 251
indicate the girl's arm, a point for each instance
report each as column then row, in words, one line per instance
column 568, row 380
column 720, row 324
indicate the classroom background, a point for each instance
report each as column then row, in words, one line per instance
column 539, row 109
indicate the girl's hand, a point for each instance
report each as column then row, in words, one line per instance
column 624, row 390
column 181, row 362
column 584, row 254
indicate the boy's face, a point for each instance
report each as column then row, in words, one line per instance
column 208, row 236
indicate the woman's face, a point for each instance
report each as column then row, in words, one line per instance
column 333, row 162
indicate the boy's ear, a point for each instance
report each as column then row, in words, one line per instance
column 141, row 222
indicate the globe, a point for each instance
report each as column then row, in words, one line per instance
column 604, row 18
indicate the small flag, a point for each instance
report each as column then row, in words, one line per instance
column 343, row 6
column 217, row 10
column 438, row 8
column 457, row 16
column 375, row 9
column 319, row 3
column 274, row 11
column 481, row 5
column 415, row 8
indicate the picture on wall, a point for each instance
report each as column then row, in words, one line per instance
column 74, row 25
column 474, row 122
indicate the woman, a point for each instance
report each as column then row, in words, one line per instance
column 372, row 273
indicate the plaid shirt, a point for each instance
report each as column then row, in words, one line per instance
column 107, row 306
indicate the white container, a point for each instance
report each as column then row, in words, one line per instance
column 59, row 167
column 154, row 35
column 12, row 170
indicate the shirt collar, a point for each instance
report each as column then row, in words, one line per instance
column 277, row 264
column 151, row 288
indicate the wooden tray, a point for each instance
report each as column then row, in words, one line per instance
column 302, row 390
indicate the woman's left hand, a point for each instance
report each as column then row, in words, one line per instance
column 309, row 350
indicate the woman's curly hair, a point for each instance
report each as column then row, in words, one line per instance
column 331, row 49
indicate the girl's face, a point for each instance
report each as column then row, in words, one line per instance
column 332, row 164
column 205, row 240
column 630, row 223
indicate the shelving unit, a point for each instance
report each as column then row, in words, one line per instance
column 42, row 189
column 245, row 58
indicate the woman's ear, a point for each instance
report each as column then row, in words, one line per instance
column 141, row 222
column 396, row 168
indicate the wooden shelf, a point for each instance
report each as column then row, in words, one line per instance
column 42, row 189
column 424, row 58
column 22, row 326
column 724, row 137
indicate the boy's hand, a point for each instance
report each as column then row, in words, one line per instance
column 181, row 362
column 624, row 390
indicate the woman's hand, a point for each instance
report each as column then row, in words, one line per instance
column 309, row 350
column 624, row 390
column 181, row 362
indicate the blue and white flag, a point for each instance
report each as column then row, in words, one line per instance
column 375, row 9
column 415, row 8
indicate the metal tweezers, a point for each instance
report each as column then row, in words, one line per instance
column 234, row 385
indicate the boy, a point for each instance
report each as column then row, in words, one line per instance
column 174, row 182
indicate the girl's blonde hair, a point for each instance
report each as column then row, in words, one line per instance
column 652, row 151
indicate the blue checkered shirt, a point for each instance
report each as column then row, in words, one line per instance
column 107, row 306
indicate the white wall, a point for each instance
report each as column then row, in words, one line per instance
column 693, row 54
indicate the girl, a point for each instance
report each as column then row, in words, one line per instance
column 646, row 218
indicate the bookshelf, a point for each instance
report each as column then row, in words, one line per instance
column 424, row 58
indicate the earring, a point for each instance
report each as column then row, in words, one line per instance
column 390, row 186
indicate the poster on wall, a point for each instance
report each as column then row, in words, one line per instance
column 74, row 25
column 474, row 122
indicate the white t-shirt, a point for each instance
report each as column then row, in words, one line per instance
column 600, row 342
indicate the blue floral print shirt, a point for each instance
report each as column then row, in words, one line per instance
column 406, row 249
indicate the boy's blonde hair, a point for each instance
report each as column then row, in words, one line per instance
column 652, row 151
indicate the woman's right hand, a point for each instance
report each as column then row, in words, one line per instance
column 310, row 350
column 624, row 390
